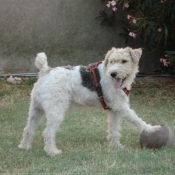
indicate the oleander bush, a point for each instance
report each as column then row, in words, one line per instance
column 151, row 20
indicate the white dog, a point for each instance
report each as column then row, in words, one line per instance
column 59, row 88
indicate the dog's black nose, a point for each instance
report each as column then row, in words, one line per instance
column 113, row 74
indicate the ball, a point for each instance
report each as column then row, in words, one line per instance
column 155, row 140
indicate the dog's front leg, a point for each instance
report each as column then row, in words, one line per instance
column 131, row 116
column 114, row 129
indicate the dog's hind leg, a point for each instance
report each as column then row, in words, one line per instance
column 114, row 129
column 35, row 117
column 54, row 116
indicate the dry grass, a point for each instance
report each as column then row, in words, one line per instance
column 83, row 136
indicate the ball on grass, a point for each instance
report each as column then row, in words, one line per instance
column 155, row 140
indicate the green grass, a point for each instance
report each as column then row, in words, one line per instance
column 82, row 138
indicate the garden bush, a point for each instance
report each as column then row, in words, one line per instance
column 152, row 21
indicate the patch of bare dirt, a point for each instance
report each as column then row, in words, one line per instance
column 154, row 82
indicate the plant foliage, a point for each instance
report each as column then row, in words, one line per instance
column 154, row 22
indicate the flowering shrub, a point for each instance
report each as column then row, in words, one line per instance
column 153, row 21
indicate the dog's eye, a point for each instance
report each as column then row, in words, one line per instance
column 124, row 61
column 112, row 61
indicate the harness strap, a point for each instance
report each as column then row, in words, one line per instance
column 93, row 69
column 126, row 91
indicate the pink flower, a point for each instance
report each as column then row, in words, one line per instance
column 132, row 34
column 114, row 8
column 129, row 16
column 164, row 61
column 108, row 4
column 134, row 21
column 113, row 3
column 159, row 29
column 126, row 5
column 163, row 1
column 166, row 55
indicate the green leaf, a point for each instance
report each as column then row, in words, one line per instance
column 166, row 34
column 170, row 52
column 148, row 3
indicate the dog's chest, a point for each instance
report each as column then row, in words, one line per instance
column 87, row 78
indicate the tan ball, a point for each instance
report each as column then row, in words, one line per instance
column 155, row 140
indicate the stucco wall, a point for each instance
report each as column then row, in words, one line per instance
column 66, row 30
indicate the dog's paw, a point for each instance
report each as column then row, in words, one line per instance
column 24, row 146
column 120, row 146
column 52, row 152
column 115, row 144
column 151, row 128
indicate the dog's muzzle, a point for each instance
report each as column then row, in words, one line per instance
column 118, row 82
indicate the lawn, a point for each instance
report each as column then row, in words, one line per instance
column 82, row 136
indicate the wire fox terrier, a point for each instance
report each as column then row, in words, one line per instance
column 57, row 89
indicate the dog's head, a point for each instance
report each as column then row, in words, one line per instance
column 122, row 65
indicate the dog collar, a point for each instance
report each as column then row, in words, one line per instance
column 94, row 70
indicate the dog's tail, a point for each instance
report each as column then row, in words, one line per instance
column 41, row 63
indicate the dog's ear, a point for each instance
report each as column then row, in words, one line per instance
column 107, row 55
column 106, row 61
column 135, row 54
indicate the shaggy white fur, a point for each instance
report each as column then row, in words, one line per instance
column 58, row 88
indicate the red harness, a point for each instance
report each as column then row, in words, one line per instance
column 93, row 69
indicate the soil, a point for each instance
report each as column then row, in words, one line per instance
column 154, row 82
